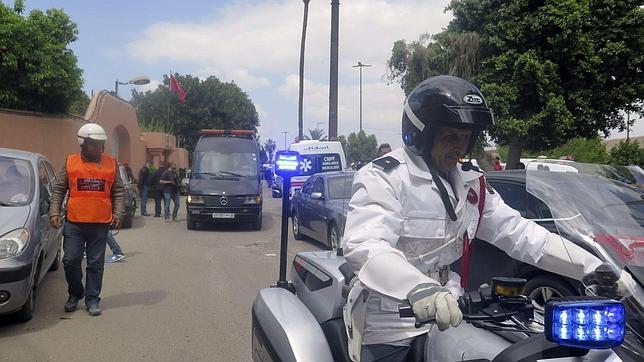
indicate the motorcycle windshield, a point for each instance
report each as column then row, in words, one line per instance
column 599, row 208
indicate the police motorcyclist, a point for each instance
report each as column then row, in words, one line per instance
column 414, row 210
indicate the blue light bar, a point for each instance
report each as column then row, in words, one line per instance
column 287, row 163
column 585, row 323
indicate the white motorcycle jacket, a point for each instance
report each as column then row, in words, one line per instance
column 398, row 235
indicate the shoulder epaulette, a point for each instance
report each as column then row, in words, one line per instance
column 386, row 163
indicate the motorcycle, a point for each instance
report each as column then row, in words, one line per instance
column 302, row 320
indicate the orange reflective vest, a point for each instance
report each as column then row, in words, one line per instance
column 90, row 189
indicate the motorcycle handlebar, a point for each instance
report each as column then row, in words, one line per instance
column 405, row 311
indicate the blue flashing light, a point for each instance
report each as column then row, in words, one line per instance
column 287, row 163
column 585, row 323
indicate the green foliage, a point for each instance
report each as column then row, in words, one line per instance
column 583, row 150
column 316, row 134
column 38, row 72
column 359, row 147
column 209, row 103
column 627, row 153
column 80, row 104
column 552, row 70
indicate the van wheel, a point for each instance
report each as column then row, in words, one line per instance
column 297, row 234
column 257, row 225
column 190, row 223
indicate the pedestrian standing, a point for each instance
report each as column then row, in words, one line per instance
column 170, row 183
column 117, row 252
column 96, row 202
column 144, row 187
column 158, row 189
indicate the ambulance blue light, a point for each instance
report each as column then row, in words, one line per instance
column 591, row 324
column 287, row 163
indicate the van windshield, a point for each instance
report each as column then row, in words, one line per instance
column 225, row 156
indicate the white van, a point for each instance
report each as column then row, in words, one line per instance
column 315, row 157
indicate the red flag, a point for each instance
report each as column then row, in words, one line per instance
column 175, row 87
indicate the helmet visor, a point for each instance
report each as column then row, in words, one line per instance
column 463, row 117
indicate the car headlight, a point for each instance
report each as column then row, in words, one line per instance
column 13, row 242
column 193, row 199
column 252, row 200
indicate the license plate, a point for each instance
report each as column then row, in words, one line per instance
column 223, row 215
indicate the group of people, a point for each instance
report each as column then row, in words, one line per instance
column 162, row 184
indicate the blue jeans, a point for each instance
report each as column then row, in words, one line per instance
column 166, row 203
column 144, row 199
column 111, row 242
column 88, row 237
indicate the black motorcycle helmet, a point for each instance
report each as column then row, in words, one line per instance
column 445, row 101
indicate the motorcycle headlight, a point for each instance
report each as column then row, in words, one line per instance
column 252, row 200
column 194, row 199
column 13, row 242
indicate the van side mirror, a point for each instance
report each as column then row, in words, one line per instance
column 317, row 196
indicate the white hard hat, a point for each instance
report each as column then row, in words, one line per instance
column 91, row 131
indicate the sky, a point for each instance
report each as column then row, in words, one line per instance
column 256, row 44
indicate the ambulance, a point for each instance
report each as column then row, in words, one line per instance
column 315, row 157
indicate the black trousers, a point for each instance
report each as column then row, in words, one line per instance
column 88, row 237
column 158, row 197
column 385, row 352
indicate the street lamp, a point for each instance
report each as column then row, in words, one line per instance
column 136, row 81
column 360, row 65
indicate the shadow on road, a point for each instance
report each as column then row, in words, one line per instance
column 135, row 298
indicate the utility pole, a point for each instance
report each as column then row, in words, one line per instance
column 333, row 78
column 285, row 133
column 360, row 66
column 300, row 117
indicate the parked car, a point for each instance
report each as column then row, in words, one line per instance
column 130, row 197
column 319, row 209
column 592, row 209
column 29, row 245
column 185, row 181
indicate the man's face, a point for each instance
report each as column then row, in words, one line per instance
column 94, row 148
column 385, row 150
column 449, row 146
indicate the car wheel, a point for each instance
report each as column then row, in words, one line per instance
column 543, row 287
column 190, row 223
column 26, row 312
column 257, row 225
column 56, row 263
column 297, row 234
column 333, row 237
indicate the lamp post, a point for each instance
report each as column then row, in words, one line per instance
column 285, row 133
column 136, row 81
column 333, row 76
column 360, row 66
column 300, row 118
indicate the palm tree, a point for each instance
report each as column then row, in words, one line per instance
column 300, row 120
column 316, row 134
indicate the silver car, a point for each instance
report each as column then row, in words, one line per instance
column 29, row 245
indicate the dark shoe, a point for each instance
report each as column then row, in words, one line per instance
column 146, row 214
column 93, row 309
column 157, row 215
column 72, row 304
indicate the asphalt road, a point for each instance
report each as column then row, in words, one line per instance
column 180, row 296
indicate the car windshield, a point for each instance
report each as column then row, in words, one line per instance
column 16, row 178
column 595, row 204
column 340, row 187
column 225, row 157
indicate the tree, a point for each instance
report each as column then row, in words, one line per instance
column 38, row 72
column 79, row 105
column 210, row 103
column 359, row 147
column 552, row 70
column 627, row 153
column 583, row 150
column 316, row 134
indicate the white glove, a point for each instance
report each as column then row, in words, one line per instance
column 429, row 301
